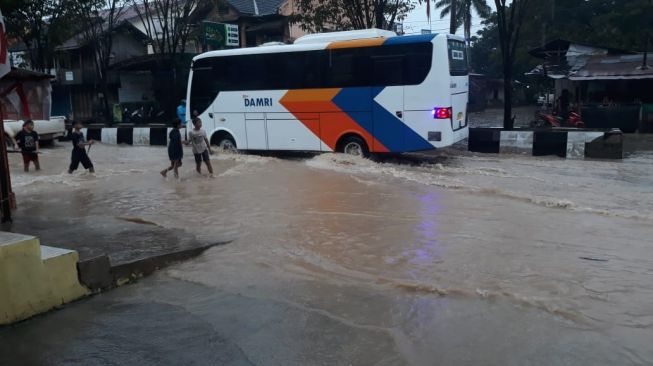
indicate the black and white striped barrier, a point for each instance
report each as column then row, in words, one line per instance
column 564, row 143
column 137, row 136
column 567, row 144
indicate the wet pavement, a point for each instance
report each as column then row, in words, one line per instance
column 464, row 259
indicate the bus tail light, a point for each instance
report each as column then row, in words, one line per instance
column 442, row 113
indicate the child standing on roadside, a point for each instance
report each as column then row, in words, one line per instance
column 79, row 154
column 201, row 146
column 175, row 150
column 28, row 142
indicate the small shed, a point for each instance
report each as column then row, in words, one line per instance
column 25, row 94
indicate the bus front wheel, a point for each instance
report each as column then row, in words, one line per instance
column 354, row 146
column 225, row 142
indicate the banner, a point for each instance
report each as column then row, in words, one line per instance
column 4, row 55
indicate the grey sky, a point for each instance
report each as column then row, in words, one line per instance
column 417, row 20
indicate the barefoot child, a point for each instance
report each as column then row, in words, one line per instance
column 175, row 150
column 201, row 146
column 79, row 154
column 28, row 141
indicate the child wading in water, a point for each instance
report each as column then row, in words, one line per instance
column 175, row 150
column 79, row 154
column 28, row 141
column 201, row 149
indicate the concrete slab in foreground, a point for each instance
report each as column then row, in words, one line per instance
column 35, row 278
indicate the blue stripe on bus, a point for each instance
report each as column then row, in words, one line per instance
column 393, row 132
column 354, row 99
column 389, row 130
column 419, row 38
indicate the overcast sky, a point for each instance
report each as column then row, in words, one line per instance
column 416, row 21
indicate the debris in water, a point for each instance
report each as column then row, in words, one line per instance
column 136, row 220
column 594, row 259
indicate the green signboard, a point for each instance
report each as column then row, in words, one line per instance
column 220, row 35
column 215, row 35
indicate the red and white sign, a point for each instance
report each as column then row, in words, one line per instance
column 4, row 55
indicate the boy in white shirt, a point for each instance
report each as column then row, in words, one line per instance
column 201, row 147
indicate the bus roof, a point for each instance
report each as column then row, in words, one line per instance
column 345, row 36
column 309, row 46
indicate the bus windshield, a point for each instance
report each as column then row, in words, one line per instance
column 457, row 58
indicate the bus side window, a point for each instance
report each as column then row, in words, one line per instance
column 312, row 77
column 252, row 73
column 348, row 67
column 388, row 70
column 341, row 70
column 416, row 67
column 292, row 70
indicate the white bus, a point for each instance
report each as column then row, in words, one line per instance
column 356, row 92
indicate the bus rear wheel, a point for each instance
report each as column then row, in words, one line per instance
column 354, row 146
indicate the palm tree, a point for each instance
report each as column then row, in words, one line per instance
column 462, row 13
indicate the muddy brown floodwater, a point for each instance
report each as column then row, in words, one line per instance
column 464, row 260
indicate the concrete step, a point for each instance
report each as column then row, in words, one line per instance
column 34, row 279
column 61, row 269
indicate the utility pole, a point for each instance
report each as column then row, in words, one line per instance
column 452, row 24
column 5, row 178
column 647, row 26
column 6, row 196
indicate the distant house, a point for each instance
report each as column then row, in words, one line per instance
column 75, row 94
column 563, row 59
column 611, row 86
column 134, row 70
column 259, row 21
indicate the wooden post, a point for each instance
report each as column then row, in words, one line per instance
column 6, row 195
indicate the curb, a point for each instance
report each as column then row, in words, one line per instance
column 98, row 274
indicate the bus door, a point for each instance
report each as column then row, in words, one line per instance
column 234, row 123
column 299, row 131
column 458, row 69
column 257, row 138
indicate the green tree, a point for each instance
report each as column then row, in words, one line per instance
column 41, row 25
column 319, row 16
column 595, row 22
column 510, row 18
column 463, row 13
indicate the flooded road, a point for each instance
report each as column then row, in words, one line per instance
column 467, row 259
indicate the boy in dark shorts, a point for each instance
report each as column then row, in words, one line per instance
column 28, row 141
column 201, row 146
column 79, row 154
column 175, row 150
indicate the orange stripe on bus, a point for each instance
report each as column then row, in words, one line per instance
column 371, row 42
column 331, row 122
column 334, row 125
column 306, row 95
column 310, row 107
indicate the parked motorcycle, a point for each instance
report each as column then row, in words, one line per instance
column 551, row 120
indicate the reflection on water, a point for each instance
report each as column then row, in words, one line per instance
column 431, row 255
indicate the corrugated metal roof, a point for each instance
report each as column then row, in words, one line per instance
column 621, row 67
column 17, row 74
column 257, row 7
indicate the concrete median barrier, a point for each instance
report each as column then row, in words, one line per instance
column 156, row 135
column 571, row 144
